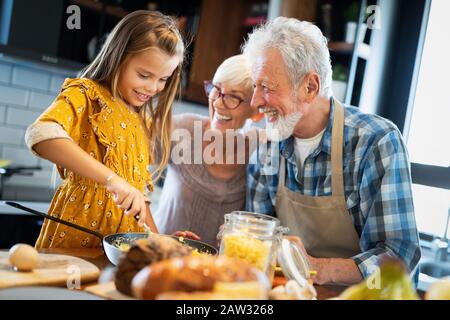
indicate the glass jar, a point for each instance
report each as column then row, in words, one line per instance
column 252, row 237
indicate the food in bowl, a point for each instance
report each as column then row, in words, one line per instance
column 124, row 244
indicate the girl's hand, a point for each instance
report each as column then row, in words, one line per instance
column 128, row 198
column 186, row 234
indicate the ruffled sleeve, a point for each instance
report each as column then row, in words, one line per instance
column 41, row 131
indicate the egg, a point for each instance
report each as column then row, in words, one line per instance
column 23, row 257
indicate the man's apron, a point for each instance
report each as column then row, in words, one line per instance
column 323, row 223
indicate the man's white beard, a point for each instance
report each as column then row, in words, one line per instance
column 283, row 127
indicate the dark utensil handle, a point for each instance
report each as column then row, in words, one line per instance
column 40, row 214
column 136, row 217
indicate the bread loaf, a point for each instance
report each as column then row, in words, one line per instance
column 191, row 274
column 144, row 252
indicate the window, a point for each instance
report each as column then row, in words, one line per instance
column 429, row 128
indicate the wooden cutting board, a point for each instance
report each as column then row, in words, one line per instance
column 108, row 290
column 53, row 269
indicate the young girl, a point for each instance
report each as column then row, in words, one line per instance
column 99, row 128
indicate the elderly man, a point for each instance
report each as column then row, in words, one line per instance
column 343, row 184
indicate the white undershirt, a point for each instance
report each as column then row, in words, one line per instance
column 304, row 147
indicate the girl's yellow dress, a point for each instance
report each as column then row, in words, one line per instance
column 111, row 133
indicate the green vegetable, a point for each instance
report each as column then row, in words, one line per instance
column 393, row 283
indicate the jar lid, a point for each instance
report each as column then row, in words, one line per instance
column 254, row 223
column 293, row 263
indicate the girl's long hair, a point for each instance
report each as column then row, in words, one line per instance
column 137, row 32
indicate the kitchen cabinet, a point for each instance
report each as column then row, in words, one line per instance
column 302, row 10
column 18, row 229
column 343, row 23
column 222, row 28
column 221, row 35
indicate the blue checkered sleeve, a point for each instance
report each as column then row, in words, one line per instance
column 387, row 206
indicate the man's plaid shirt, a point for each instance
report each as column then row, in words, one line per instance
column 377, row 184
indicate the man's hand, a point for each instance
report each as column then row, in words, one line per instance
column 330, row 270
column 299, row 244
column 314, row 263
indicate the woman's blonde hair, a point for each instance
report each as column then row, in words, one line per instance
column 139, row 31
column 235, row 70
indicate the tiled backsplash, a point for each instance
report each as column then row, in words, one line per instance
column 25, row 91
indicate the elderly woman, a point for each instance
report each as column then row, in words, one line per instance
column 198, row 191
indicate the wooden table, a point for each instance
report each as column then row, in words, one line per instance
column 97, row 257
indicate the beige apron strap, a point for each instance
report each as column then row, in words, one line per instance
column 282, row 175
column 337, row 146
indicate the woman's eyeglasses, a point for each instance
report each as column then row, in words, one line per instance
column 213, row 93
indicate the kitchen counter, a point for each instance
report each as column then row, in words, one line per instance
column 97, row 257
column 39, row 206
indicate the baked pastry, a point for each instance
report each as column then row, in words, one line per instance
column 144, row 252
column 193, row 274
column 249, row 290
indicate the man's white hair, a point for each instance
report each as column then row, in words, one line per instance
column 236, row 71
column 302, row 46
